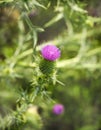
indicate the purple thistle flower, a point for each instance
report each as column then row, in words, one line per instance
column 58, row 109
column 50, row 52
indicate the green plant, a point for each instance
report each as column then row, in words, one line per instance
column 23, row 81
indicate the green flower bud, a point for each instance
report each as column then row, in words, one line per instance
column 47, row 67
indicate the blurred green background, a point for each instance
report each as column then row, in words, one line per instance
column 75, row 27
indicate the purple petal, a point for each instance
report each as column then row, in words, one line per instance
column 58, row 109
column 50, row 52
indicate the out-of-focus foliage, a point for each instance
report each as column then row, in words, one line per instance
column 27, row 97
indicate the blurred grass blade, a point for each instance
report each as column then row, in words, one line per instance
column 60, row 82
column 5, row 1
column 54, row 20
column 76, row 8
column 38, row 4
column 35, row 39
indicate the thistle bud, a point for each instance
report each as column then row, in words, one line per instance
column 58, row 109
column 50, row 53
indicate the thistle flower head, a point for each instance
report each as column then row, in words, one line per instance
column 50, row 52
column 58, row 109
